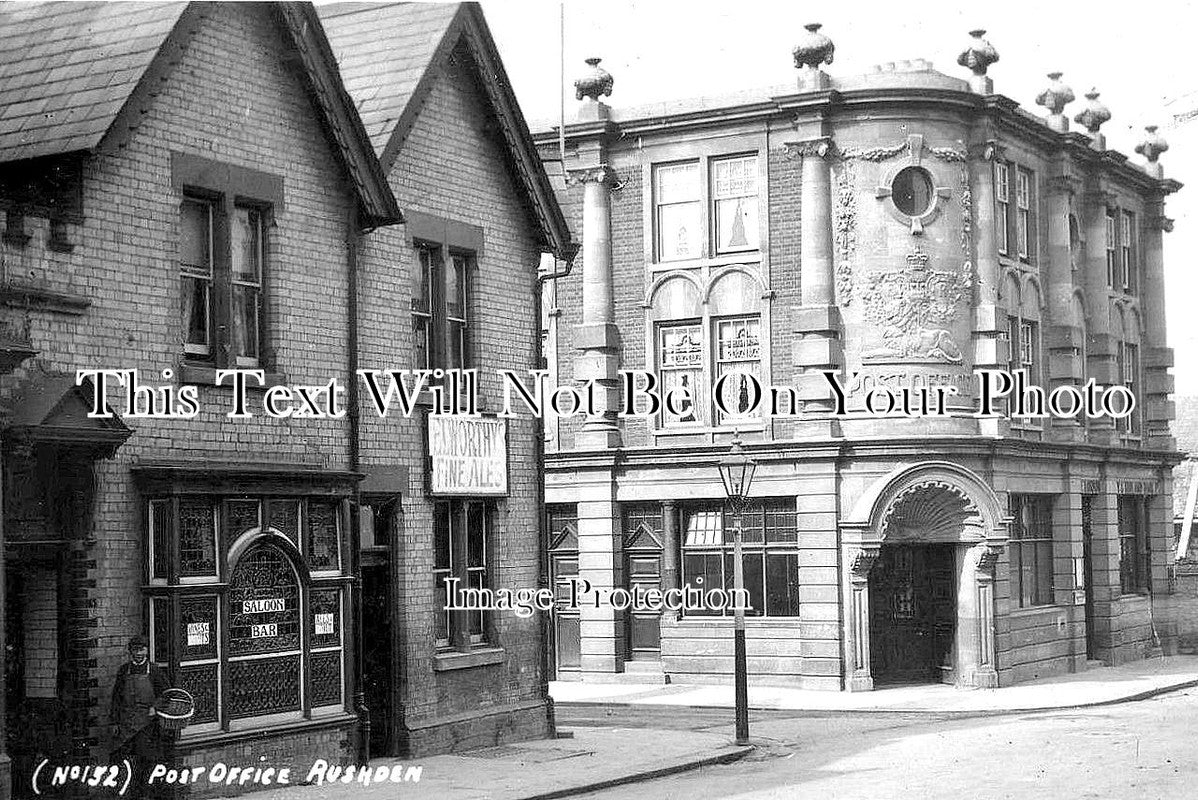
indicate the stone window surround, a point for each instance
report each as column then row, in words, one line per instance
column 228, row 186
column 705, row 276
column 705, row 151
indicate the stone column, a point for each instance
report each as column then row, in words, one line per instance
column 989, row 321
column 669, row 547
column 597, row 339
column 1157, row 356
column 860, row 674
column 1062, row 337
column 818, row 325
column 1101, row 344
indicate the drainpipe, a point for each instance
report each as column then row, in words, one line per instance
column 353, row 234
column 543, row 577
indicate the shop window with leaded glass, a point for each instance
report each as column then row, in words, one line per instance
column 197, row 538
column 769, row 545
column 323, row 543
column 245, row 603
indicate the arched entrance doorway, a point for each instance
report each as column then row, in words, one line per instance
column 920, row 547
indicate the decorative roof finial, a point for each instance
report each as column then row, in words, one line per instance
column 977, row 57
column 1092, row 117
column 1054, row 98
column 1151, row 148
column 813, row 49
column 595, row 82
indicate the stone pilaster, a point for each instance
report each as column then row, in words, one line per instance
column 601, row 629
column 1101, row 343
column 597, row 339
column 1157, row 357
column 1061, row 334
column 860, row 561
column 989, row 321
column 985, row 669
column 819, row 345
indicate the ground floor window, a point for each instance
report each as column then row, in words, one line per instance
column 246, row 602
column 1030, row 549
column 1134, row 552
column 769, row 551
column 461, row 547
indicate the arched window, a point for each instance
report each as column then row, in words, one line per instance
column 246, row 602
column 701, row 347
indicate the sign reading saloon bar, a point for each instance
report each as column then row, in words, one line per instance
column 468, row 456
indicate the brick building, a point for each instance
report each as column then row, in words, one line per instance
column 479, row 211
column 189, row 188
column 899, row 229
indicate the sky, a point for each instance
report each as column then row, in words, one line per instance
column 1137, row 57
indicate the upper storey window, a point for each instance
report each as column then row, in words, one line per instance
column 912, row 191
column 676, row 192
column 704, row 208
column 439, row 303
column 1016, row 227
column 221, row 253
column 1002, row 196
column 1023, row 212
column 1127, row 251
column 734, row 193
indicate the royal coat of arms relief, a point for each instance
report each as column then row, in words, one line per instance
column 911, row 312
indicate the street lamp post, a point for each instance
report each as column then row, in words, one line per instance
column 736, row 470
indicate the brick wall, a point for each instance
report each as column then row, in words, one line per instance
column 232, row 98
column 453, row 167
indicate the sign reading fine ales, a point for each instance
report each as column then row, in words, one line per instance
column 468, row 456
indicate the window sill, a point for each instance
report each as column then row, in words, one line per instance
column 468, row 659
column 205, row 375
column 724, row 259
column 750, row 426
column 1031, row 611
column 207, row 736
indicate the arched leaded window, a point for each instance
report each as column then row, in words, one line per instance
column 246, row 601
column 708, row 338
column 265, row 633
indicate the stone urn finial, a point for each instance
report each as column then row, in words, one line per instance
column 814, row 48
column 597, row 81
column 1092, row 117
column 977, row 58
column 1151, row 148
column 1055, row 98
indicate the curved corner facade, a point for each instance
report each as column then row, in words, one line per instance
column 864, row 246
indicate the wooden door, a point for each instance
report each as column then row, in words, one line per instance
column 567, row 642
column 912, row 613
column 644, row 626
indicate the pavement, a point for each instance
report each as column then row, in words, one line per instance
column 589, row 759
column 1093, row 687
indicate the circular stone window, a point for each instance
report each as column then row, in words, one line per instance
column 912, row 191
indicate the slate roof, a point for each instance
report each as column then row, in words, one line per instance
column 66, row 69
column 383, row 51
column 69, row 70
column 387, row 54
